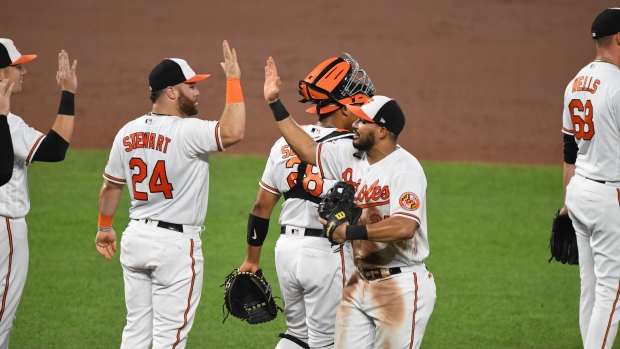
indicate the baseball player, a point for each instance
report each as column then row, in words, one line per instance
column 592, row 180
column 164, row 157
column 6, row 143
column 311, row 272
column 29, row 145
column 392, row 293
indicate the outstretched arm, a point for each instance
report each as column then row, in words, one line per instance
column 303, row 145
column 232, row 123
column 258, row 224
column 54, row 146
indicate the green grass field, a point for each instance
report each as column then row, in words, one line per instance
column 488, row 229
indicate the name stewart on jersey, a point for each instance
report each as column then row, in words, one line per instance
column 585, row 83
column 147, row 140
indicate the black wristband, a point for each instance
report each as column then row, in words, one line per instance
column 356, row 232
column 279, row 111
column 67, row 103
column 257, row 230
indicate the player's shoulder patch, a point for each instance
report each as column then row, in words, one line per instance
column 409, row 201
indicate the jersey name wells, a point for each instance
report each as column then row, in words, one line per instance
column 147, row 140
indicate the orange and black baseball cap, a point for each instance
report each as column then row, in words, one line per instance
column 9, row 54
column 606, row 23
column 171, row 72
column 381, row 110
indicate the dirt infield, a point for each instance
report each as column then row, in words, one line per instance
column 482, row 82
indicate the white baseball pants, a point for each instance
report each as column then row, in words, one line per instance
column 392, row 311
column 311, row 280
column 595, row 210
column 163, row 281
column 14, row 257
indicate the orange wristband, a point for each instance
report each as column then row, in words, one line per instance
column 105, row 222
column 233, row 91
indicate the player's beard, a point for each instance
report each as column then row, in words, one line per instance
column 364, row 143
column 187, row 106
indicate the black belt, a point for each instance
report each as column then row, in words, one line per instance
column 307, row 232
column 380, row 273
column 165, row 225
column 602, row 182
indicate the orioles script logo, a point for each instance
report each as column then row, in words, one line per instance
column 367, row 193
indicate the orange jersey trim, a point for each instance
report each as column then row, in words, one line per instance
column 613, row 309
column 342, row 269
column 189, row 297
column 373, row 204
column 318, row 160
column 220, row 146
column 415, row 309
column 8, row 274
column 114, row 178
column 33, row 148
column 407, row 215
column 272, row 189
column 567, row 130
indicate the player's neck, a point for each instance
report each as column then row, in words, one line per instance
column 163, row 110
column 608, row 57
column 379, row 151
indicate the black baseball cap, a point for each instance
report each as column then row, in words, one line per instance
column 9, row 54
column 381, row 110
column 171, row 72
column 606, row 23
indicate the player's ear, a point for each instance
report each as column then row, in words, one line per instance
column 170, row 92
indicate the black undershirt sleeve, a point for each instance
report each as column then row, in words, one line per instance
column 6, row 151
column 52, row 149
column 570, row 149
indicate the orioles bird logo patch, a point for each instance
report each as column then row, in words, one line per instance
column 409, row 201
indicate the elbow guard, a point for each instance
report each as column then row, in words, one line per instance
column 257, row 230
column 52, row 149
column 570, row 149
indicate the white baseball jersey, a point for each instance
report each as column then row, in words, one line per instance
column 14, row 205
column 174, row 186
column 14, row 196
column 394, row 186
column 592, row 115
column 280, row 175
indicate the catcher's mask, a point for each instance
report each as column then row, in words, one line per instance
column 335, row 82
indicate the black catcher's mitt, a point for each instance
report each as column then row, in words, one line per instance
column 248, row 297
column 563, row 242
column 337, row 207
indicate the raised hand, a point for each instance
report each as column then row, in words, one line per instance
column 66, row 78
column 5, row 96
column 272, row 82
column 230, row 65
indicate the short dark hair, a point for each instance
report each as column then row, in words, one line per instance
column 155, row 95
column 604, row 41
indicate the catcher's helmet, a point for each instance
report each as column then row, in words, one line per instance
column 335, row 82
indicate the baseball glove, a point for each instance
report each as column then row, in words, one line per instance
column 563, row 242
column 337, row 207
column 248, row 297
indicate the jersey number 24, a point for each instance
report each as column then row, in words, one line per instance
column 158, row 183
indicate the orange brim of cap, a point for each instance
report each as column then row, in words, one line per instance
column 359, row 112
column 24, row 59
column 323, row 110
column 197, row 77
